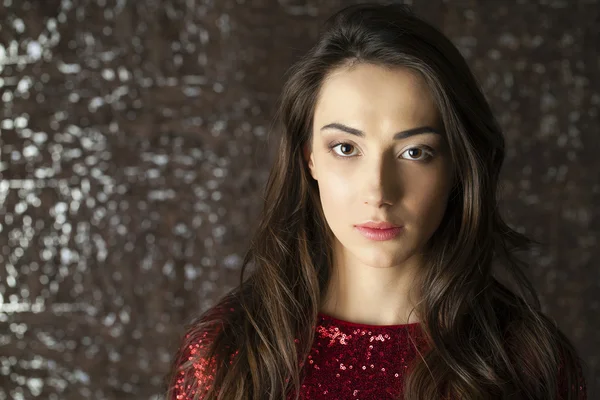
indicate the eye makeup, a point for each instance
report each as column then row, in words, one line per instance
column 427, row 151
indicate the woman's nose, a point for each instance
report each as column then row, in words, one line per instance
column 381, row 182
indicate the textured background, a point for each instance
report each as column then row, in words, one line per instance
column 134, row 137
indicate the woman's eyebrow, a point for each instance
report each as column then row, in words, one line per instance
column 397, row 136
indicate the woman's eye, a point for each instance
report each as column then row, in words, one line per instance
column 345, row 148
column 417, row 153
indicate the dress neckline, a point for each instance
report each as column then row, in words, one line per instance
column 367, row 326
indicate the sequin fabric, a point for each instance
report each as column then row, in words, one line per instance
column 347, row 361
column 198, row 378
column 357, row 361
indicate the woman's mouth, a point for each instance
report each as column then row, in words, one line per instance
column 379, row 234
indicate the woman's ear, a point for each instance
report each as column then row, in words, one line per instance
column 308, row 159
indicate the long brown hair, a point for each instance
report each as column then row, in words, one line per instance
column 487, row 340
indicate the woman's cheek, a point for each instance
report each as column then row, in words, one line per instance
column 335, row 187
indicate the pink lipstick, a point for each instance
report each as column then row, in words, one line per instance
column 379, row 230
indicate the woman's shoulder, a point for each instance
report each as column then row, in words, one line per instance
column 195, row 364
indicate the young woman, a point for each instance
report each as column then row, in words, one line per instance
column 372, row 264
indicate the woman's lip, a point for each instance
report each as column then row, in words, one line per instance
column 379, row 234
column 379, row 225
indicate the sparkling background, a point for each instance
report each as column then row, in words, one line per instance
column 134, row 149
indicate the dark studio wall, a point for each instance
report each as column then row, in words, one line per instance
column 135, row 145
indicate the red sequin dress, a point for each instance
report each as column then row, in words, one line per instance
column 347, row 361
column 358, row 361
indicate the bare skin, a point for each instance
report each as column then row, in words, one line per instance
column 405, row 181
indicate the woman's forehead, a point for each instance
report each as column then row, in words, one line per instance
column 373, row 93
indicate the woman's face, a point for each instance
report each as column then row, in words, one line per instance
column 370, row 175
